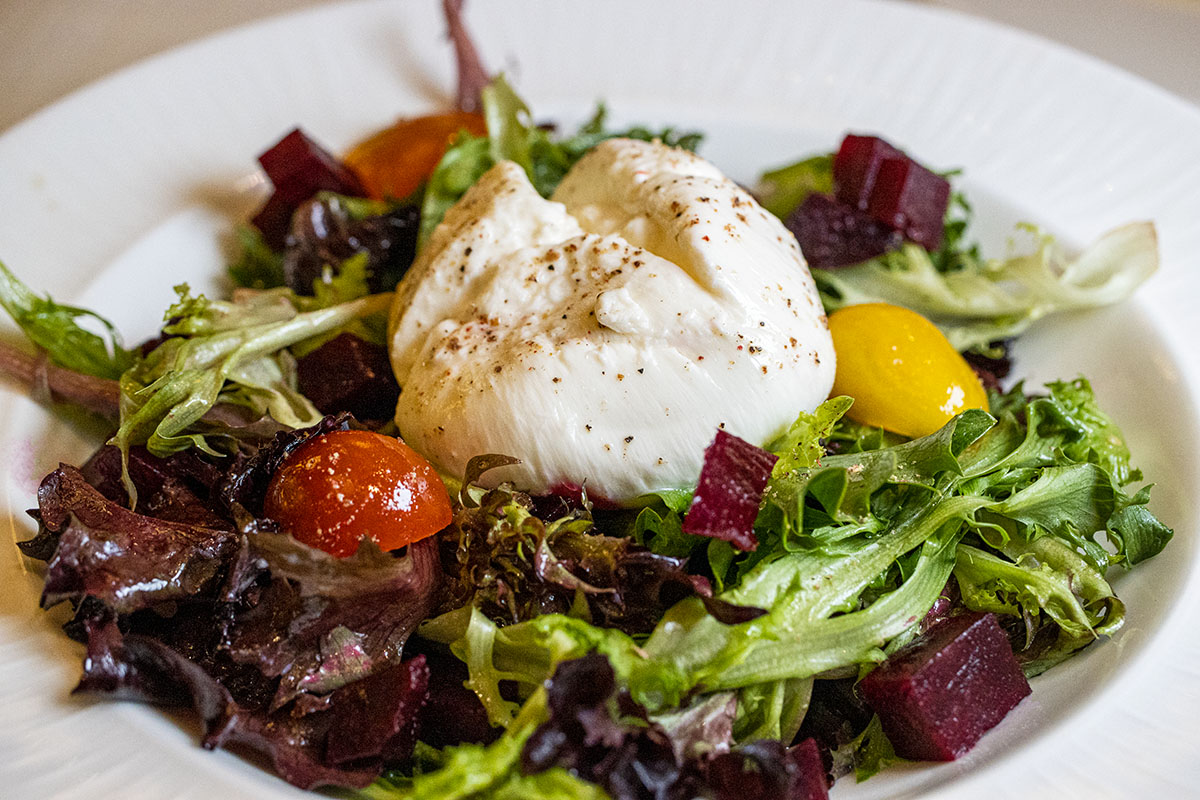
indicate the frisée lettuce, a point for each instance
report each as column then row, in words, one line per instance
column 854, row 550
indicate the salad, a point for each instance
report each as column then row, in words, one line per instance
column 545, row 644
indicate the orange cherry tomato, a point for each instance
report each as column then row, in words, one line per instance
column 345, row 485
column 901, row 371
column 396, row 161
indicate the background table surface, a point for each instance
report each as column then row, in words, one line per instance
column 53, row 47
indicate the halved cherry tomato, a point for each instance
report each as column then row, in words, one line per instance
column 343, row 486
column 901, row 371
column 397, row 160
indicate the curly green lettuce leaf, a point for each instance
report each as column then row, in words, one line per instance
column 802, row 444
column 525, row 653
column 55, row 328
column 235, row 356
column 856, row 547
column 487, row 772
column 871, row 751
column 984, row 301
column 1031, row 588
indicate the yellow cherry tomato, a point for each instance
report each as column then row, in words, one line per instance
column 397, row 160
column 901, row 371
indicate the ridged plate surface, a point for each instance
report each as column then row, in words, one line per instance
column 124, row 189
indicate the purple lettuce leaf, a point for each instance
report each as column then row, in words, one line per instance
column 604, row 739
column 993, row 366
column 514, row 565
column 127, row 560
column 177, row 487
column 341, row 740
column 280, row 648
column 767, row 770
column 320, row 622
column 601, row 735
column 245, row 484
column 729, row 491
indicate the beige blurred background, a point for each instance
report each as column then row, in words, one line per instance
column 51, row 47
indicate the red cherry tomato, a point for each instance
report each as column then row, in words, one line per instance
column 397, row 160
column 345, row 485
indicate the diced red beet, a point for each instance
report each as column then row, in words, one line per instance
column 939, row 695
column 299, row 168
column 730, row 489
column 296, row 160
column 273, row 220
column 812, row 782
column 855, row 167
column 910, row 199
column 833, row 234
column 349, row 374
column 873, row 176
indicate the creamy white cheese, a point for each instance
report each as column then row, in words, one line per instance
column 603, row 338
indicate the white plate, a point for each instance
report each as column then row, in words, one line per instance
column 130, row 186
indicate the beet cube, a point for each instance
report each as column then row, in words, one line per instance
column 833, row 234
column 296, row 161
column 812, row 779
column 273, row 220
column 299, row 168
column 349, row 374
column 910, row 199
column 940, row 694
column 730, row 489
column 855, row 167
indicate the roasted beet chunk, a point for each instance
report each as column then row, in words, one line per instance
column 871, row 175
column 833, row 234
column 856, row 165
column 349, row 374
column 939, row 695
column 299, row 168
column 910, row 199
column 812, row 781
column 730, row 489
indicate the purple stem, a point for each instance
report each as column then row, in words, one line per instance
column 45, row 382
column 472, row 77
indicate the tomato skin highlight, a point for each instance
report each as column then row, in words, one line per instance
column 343, row 486
column 393, row 163
column 903, row 374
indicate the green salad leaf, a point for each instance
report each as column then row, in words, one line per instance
column 55, row 328
column 982, row 301
column 256, row 266
column 782, row 190
column 854, row 550
column 230, row 352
